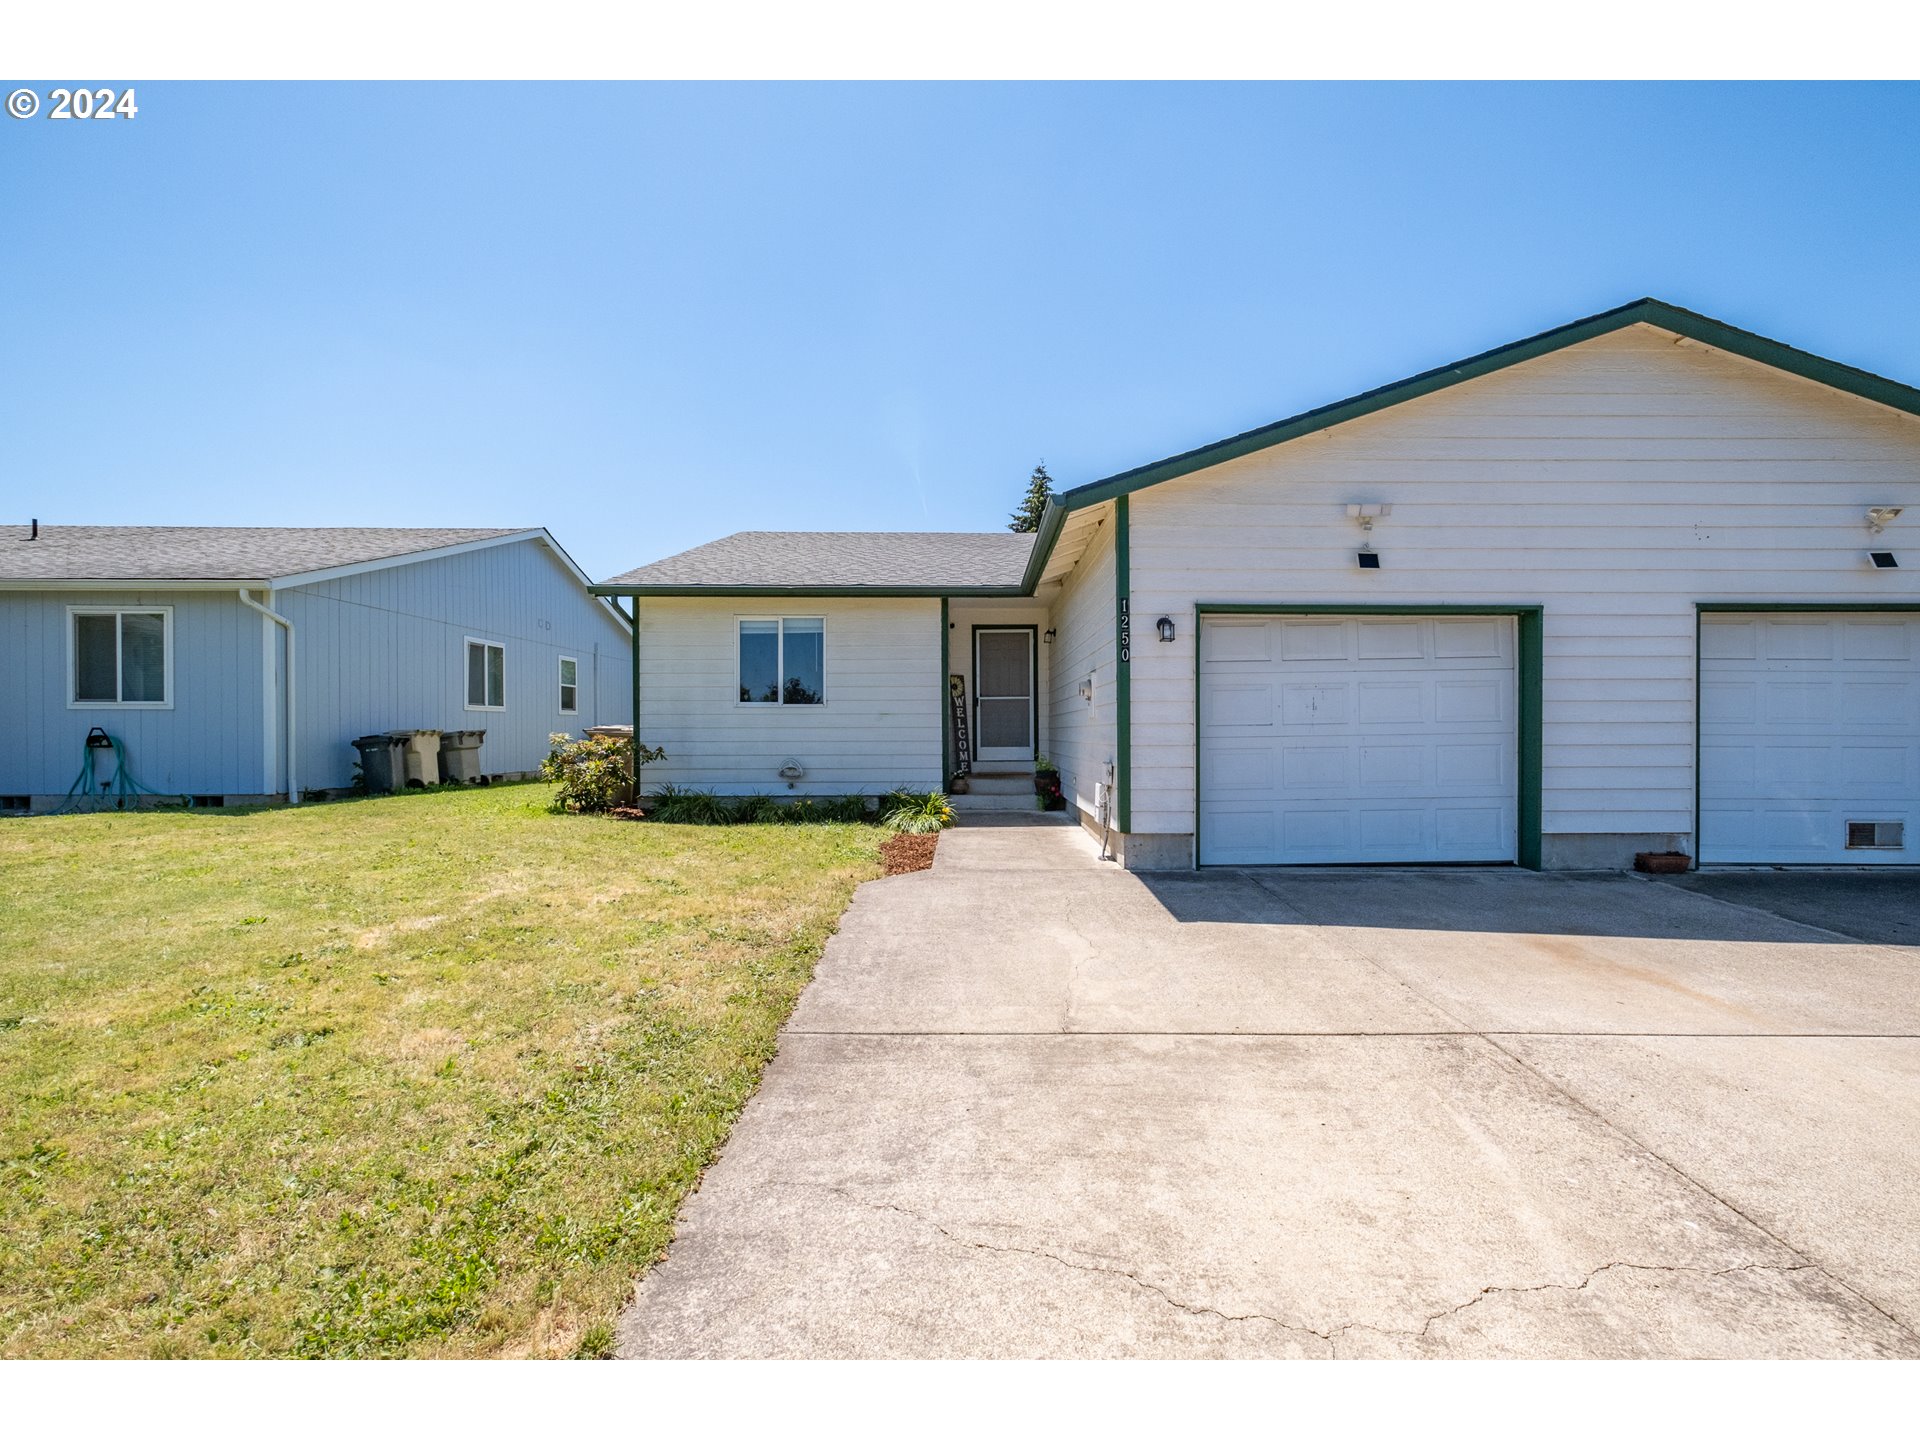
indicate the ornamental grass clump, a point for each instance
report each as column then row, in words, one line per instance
column 907, row 812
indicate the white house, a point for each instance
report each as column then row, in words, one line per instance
column 237, row 664
column 1640, row 582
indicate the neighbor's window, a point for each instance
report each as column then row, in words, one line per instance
column 569, row 685
column 486, row 676
column 122, row 657
column 783, row 662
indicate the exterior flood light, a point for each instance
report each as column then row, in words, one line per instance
column 1165, row 626
column 1883, row 560
column 1367, row 559
column 1881, row 516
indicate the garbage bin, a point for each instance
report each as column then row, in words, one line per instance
column 422, row 749
column 460, row 755
column 383, row 763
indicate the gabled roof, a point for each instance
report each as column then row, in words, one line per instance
column 838, row 562
column 1702, row 328
column 208, row 552
column 799, row 562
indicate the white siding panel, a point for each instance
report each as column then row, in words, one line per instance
column 1615, row 484
column 1082, row 732
column 879, row 728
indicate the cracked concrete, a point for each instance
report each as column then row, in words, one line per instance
column 1313, row 1114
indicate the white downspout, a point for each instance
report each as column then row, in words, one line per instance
column 293, row 784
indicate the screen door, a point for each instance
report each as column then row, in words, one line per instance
column 1003, row 694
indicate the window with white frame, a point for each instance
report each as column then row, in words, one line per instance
column 120, row 655
column 569, row 685
column 783, row 662
column 486, row 675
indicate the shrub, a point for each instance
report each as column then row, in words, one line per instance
column 592, row 774
column 907, row 812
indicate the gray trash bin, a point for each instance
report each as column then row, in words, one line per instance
column 383, row 763
column 460, row 755
column 422, row 749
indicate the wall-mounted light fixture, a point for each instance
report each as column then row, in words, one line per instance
column 1165, row 626
column 1048, row 637
column 1881, row 516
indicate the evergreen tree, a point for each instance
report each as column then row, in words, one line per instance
column 1026, row 519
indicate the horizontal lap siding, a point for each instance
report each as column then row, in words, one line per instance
column 1083, row 733
column 1614, row 484
column 210, row 742
column 386, row 650
column 879, row 728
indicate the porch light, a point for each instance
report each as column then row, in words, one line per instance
column 1048, row 637
column 1165, row 626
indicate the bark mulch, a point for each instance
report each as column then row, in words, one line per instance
column 904, row 854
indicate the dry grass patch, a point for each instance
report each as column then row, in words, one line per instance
column 425, row 1075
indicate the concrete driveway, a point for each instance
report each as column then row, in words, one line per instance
column 1035, row 1106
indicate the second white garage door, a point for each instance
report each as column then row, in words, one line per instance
column 1809, row 739
column 1348, row 739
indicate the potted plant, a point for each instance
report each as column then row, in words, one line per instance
column 1046, row 784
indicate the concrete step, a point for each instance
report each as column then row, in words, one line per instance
column 1000, row 784
column 1003, row 803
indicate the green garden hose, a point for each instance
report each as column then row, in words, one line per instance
column 88, row 793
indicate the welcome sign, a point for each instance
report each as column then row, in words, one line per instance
column 962, row 738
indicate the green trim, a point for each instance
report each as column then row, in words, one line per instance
column 1657, row 313
column 1529, row 680
column 946, row 700
column 1811, row 607
column 1033, row 655
column 633, row 679
column 773, row 592
column 1701, row 328
column 1704, row 608
column 1123, row 664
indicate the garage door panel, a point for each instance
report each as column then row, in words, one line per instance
column 1388, row 702
column 1468, row 701
column 1807, row 723
column 1871, row 640
column 1394, row 742
column 1240, row 705
column 1479, row 766
column 1314, row 704
column 1391, row 767
column 1468, row 639
column 1308, row 767
column 1391, row 640
column 1313, row 640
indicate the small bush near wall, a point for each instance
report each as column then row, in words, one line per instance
column 671, row 805
column 593, row 774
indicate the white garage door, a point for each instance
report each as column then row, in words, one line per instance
column 1341, row 739
column 1809, row 739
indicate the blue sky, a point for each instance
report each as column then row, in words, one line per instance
column 648, row 315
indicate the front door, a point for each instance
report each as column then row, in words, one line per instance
column 1003, row 693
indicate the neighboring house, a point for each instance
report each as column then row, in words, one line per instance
column 161, row 637
column 1606, row 590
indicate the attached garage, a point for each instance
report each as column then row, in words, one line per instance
column 1809, row 737
column 1359, row 738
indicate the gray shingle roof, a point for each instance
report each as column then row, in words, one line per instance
column 809, row 559
column 206, row 552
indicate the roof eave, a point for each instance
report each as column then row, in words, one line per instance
column 123, row 583
column 1657, row 313
column 930, row 592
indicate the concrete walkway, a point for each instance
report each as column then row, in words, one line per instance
column 1033, row 1105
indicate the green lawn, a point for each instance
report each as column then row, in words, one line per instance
column 423, row 1075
